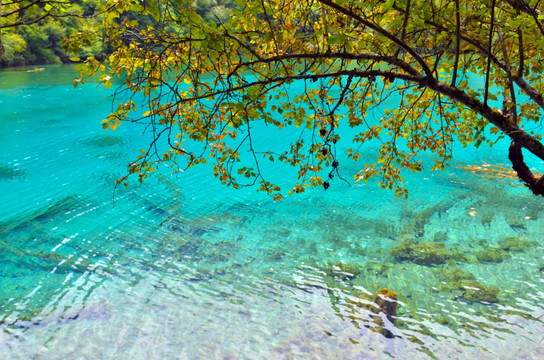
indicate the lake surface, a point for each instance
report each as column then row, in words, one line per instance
column 183, row 268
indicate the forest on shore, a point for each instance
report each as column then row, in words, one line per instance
column 44, row 42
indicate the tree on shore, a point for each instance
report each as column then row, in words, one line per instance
column 17, row 13
column 31, row 32
column 212, row 81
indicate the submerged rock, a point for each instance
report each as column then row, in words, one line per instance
column 487, row 216
column 492, row 255
column 462, row 285
column 387, row 302
column 453, row 274
column 424, row 253
column 516, row 221
column 477, row 292
column 383, row 304
column 516, row 244
column 344, row 271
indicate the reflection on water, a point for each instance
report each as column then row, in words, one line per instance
column 181, row 270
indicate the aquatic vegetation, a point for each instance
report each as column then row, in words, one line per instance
column 219, row 220
column 532, row 211
column 487, row 216
column 414, row 221
column 423, row 253
column 222, row 251
column 338, row 227
column 516, row 244
column 196, row 228
column 104, row 141
column 453, row 274
column 492, row 255
column 462, row 285
column 30, row 267
column 184, row 242
column 377, row 268
column 490, row 199
column 38, row 219
column 276, row 254
column 41, row 260
column 516, row 221
column 475, row 291
column 179, row 248
column 8, row 172
column 440, row 236
column 344, row 271
column 155, row 210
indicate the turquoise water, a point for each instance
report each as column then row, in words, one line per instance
column 183, row 268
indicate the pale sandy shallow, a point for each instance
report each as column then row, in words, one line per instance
column 160, row 318
column 182, row 335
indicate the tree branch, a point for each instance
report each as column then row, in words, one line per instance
column 490, row 44
column 457, row 42
column 282, row 79
column 382, row 31
column 337, row 56
column 493, row 116
column 524, row 173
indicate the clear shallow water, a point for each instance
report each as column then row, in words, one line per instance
column 183, row 268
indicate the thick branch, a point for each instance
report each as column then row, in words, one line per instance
column 518, row 78
column 283, row 79
column 519, row 137
column 529, row 90
column 493, row 116
column 518, row 164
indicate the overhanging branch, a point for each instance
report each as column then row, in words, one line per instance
column 353, row 73
column 401, row 44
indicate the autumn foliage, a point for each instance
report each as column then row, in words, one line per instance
column 213, row 81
